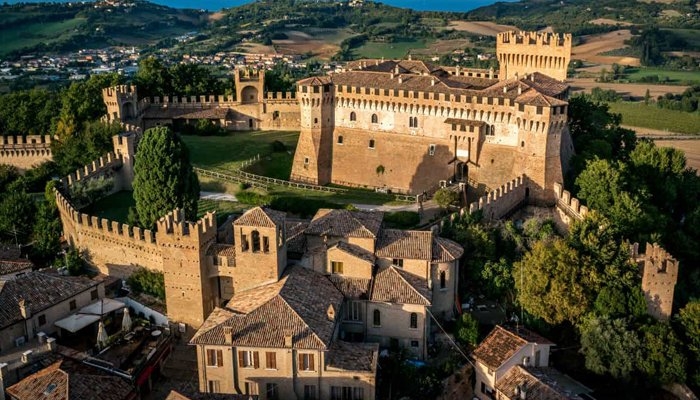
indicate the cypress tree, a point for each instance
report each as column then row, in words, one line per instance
column 163, row 177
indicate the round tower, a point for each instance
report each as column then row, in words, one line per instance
column 313, row 156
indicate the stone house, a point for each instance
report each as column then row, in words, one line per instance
column 513, row 363
column 34, row 301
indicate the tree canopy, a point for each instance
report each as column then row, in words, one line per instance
column 163, row 177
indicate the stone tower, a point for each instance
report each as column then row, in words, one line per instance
column 125, row 146
column 659, row 276
column 261, row 248
column 313, row 156
column 250, row 85
column 189, row 290
column 521, row 53
column 122, row 103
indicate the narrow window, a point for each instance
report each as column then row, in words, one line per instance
column 539, row 110
column 354, row 311
column 353, row 116
column 255, row 238
column 317, row 89
column 397, row 262
column 93, row 295
column 215, row 358
column 244, row 242
column 377, row 318
column 375, row 119
column 442, row 280
column 337, row 267
column 248, row 359
column 340, row 139
column 214, row 387
column 270, row 360
column 386, row 92
column 72, row 305
column 340, row 88
column 251, row 388
column 42, row 320
column 306, row 362
column 371, row 143
column 358, row 393
column 315, row 120
column 493, row 130
column 414, row 320
column 309, row 392
column 306, row 160
column 266, row 244
column 454, row 127
column 431, row 150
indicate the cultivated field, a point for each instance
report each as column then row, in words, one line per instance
column 388, row 50
column 321, row 43
column 607, row 21
column 691, row 148
column 594, row 45
column 480, row 27
column 653, row 117
column 440, row 47
column 636, row 90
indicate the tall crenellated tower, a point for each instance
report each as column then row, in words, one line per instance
column 659, row 277
column 122, row 103
column 189, row 290
column 313, row 156
column 250, row 85
column 125, row 146
column 521, row 53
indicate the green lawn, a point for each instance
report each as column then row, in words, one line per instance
column 388, row 50
column 32, row 34
column 665, row 75
column 652, row 117
column 227, row 152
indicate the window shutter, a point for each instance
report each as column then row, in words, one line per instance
column 311, row 362
column 300, row 362
column 240, row 359
column 220, row 358
column 256, row 360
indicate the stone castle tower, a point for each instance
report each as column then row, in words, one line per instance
column 659, row 276
column 250, row 85
column 521, row 53
column 188, row 289
column 122, row 103
column 316, row 137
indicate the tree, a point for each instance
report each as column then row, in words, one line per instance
column 163, row 177
column 17, row 210
column 8, row 174
column 661, row 360
column 609, row 346
column 445, row 197
column 47, row 232
column 89, row 143
column 551, row 282
column 467, row 330
column 689, row 318
column 82, row 102
column 149, row 282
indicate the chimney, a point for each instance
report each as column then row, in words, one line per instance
column 391, row 76
column 520, row 90
column 396, row 69
column 51, row 344
column 228, row 335
column 409, row 57
column 288, row 339
column 26, row 356
column 400, row 79
column 330, row 313
column 532, row 77
column 432, row 82
column 505, row 89
column 24, row 308
column 491, row 73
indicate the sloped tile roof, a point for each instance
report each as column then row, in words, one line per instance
column 156, row 112
column 71, row 380
column 353, row 356
column 445, row 250
column 345, row 223
column 394, row 285
column 173, row 395
column 413, row 245
column 352, row 288
column 260, row 317
column 222, row 250
column 498, row 347
column 296, row 240
column 314, row 80
column 540, row 384
column 262, row 217
column 535, row 98
column 40, row 290
column 465, row 122
column 355, row 251
column 12, row 266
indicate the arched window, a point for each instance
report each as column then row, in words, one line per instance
column 353, row 116
column 255, row 238
column 315, row 120
column 414, row 320
column 443, row 283
column 377, row 318
column 375, row 119
column 340, row 139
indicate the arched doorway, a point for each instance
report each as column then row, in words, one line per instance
column 249, row 94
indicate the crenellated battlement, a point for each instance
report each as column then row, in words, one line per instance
column 174, row 224
column 502, row 201
column 659, row 276
column 568, row 204
column 120, row 90
column 108, row 162
column 24, row 152
column 534, row 38
column 29, row 141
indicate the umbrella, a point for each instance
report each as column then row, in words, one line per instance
column 126, row 321
column 102, row 335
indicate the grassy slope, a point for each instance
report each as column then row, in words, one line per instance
column 33, row 34
column 639, row 114
column 677, row 77
column 388, row 50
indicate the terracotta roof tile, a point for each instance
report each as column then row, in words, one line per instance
column 222, row 250
column 296, row 240
column 394, row 285
column 353, row 356
column 498, row 347
column 262, row 217
column 413, row 245
column 13, row 266
column 261, row 316
column 466, row 122
column 40, row 290
column 351, row 288
column 541, row 384
column 345, row 223
column 155, row 112
column 71, row 380
column 445, row 250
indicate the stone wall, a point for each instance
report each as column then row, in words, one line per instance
column 567, row 209
column 502, row 201
column 25, row 152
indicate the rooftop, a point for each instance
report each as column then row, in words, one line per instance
column 414, row 245
column 353, row 356
column 540, row 384
column 261, row 217
column 502, row 344
column 355, row 251
column 345, row 223
column 40, row 290
column 8, row 267
column 394, row 285
column 352, row 288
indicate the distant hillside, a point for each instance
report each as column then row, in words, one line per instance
column 46, row 27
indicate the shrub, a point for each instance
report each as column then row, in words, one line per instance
column 278, row 147
column 467, row 330
column 401, row 219
column 149, row 282
column 445, row 197
column 253, row 198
